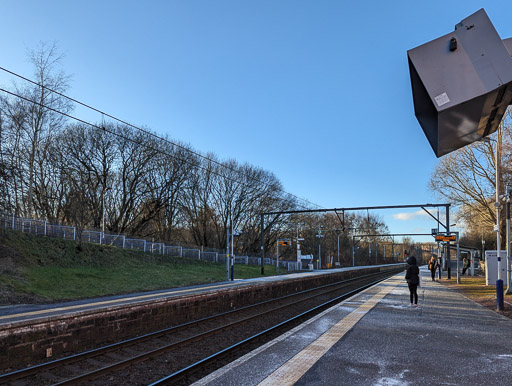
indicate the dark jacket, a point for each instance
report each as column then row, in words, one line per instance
column 412, row 274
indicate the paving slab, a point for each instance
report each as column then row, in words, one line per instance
column 377, row 338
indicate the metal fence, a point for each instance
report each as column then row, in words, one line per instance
column 42, row 227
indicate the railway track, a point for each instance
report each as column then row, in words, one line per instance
column 184, row 353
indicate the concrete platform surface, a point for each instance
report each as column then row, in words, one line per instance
column 377, row 338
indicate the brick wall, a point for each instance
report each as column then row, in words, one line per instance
column 25, row 343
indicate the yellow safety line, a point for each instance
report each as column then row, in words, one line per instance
column 51, row 310
column 296, row 367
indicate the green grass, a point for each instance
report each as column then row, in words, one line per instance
column 55, row 270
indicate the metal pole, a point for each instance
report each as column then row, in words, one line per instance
column 319, row 255
column 499, row 281
column 277, row 258
column 227, row 255
column 232, row 257
column 353, row 253
column 509, row 290
column 103, row 218
column 472, row 255
column 298, row 246
column 319, row 235
column 448, row 262
column 458, row 259
column 262, row 248
column 338, row 249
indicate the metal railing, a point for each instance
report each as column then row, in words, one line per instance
column 42, row 227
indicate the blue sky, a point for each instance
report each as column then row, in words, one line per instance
column 315, row 91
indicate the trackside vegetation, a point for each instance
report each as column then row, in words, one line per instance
column 37, row 269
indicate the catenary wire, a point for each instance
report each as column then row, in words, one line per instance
column 141, row 129
column 158, row 150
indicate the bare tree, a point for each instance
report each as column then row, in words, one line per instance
column 467, row 179
column 33, row 124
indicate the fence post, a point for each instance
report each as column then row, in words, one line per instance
column 12, row 222
column 74, row 233
column 181, row 251
column 45, row 227
column 124, row 240
column 199, row 254
column 144, row 246
column 216, row 257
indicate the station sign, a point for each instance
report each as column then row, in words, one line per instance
column 284, row 242
column 446, row 237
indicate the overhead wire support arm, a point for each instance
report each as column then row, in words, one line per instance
column 437, row 220
column 357, row 208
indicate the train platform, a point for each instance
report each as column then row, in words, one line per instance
column 377, row 338
column 28, row 313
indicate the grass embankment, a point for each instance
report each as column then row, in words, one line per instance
column 474, row 288
column 41, row 269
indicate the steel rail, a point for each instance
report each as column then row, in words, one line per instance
column 194, row 367
column 23, row 373
column 187, row 341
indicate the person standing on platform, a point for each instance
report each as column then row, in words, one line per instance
column 432, row 265
column 439, row 266
column 413, row 279
column 465, row 265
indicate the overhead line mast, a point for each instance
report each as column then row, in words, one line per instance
column 422, row 206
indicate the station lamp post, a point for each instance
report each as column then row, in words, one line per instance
column 320, row 235
column 230, row 258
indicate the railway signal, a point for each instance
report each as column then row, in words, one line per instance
column 283, row 243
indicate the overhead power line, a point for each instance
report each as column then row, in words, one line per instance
column 142, row 130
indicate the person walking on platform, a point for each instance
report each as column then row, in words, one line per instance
column 432, row 266
column 465, row 265
column 413, row 279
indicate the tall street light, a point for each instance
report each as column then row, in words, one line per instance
column 320, row 235
column 497, row 205
column 230, row 259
